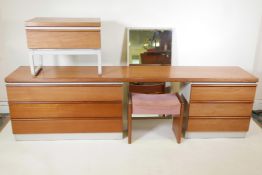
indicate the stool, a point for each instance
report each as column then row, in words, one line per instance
column 157, row 104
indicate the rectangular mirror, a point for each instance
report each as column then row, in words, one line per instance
column 149, row 46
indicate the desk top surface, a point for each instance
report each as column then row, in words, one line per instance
column 63, row 22
column 73, row 74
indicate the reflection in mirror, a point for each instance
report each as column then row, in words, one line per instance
column 149, row 46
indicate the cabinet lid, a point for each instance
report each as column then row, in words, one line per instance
column 63, row 22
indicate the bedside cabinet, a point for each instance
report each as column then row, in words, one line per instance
column 63, row 36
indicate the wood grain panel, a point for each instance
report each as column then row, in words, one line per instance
column 63, row 22
column 63, row 39
column 132, row 74
column 65, row 93
column 220, row 109
column 66, row 126
column 218, row 124
column 223, row 93
column 29, row 110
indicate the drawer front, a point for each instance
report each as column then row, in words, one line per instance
column 65, row 93
column 223, row 93
column 34, row 110
column 218, row 124
column 66, row 126
column 63, row 39
column 220, row 109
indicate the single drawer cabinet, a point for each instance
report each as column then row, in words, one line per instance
column 62, row 36
column 59, row 109
column 219, row 110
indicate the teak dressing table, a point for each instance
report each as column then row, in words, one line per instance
column 77, row 103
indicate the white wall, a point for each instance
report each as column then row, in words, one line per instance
column 207, row 32
column 258, row 69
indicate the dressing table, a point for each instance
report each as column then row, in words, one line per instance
column 77, row 103
column 84, row 103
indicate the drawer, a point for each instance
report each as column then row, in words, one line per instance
column 220, row 109
column 63, row 39
column 66, row 126
column 218, row 124
column 65, row 93
column 223, row 93
column 67, row 110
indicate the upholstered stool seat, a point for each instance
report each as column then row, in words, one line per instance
column 157, row 104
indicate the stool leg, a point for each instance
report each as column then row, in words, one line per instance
column 178, row 125
column 177, row 128
column 129, row 120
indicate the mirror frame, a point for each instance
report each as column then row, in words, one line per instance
column 146, row 28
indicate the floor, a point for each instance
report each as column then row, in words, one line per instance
column 153, row 152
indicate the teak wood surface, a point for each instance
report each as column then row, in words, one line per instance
column 65, row 110
column 64, row 39
column 41, row 126
column 229, row 92
column 220, row 109
column 82, row 74
column 61, row 93
column 63, row 22
column 199, row 124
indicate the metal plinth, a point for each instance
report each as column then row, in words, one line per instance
column 69, row 136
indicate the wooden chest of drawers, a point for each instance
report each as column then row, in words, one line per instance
column 220, row 107
column 66, row 108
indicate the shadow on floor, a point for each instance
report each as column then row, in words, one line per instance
column 257, row 116
column 4, row 118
